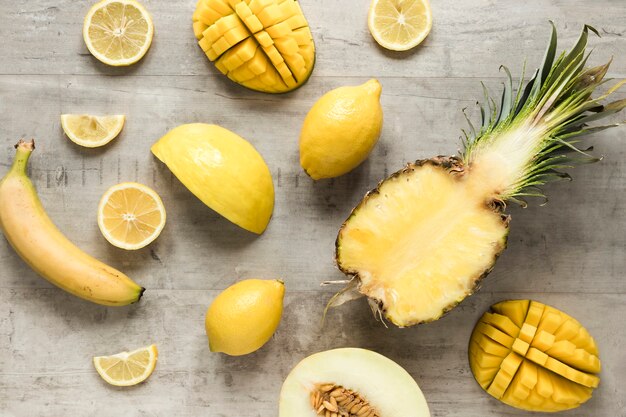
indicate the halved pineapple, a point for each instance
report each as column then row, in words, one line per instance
column 420, row 243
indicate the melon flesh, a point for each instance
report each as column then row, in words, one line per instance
column 383, row 383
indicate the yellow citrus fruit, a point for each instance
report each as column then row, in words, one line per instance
column 118, row 32
column 127, row 368
column 244, row 316
column 400, row 25
column 223, row 170
column 131, row 215
column 91, row 131
column 340, row 130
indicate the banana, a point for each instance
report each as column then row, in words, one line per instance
column 46, row 250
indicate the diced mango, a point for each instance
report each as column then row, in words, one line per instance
column 220, row 6
column 548, row 364
column 286, row 46
column 198, row 28
column 279, row 30
column 516, row 310
column 236, row 35
column 264, row 39
column 233, row 34
column 501, row 322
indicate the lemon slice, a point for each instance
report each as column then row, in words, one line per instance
column 118, row 32
column 127, row 368
column 399, row 25
column 91, row 131
column 131, row 215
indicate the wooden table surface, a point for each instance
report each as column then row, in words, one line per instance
column 569, row 254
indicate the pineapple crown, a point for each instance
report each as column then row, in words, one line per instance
column 556, row 105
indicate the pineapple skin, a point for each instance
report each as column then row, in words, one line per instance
column 454, row 166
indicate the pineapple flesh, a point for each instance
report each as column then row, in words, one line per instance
column 420, row 242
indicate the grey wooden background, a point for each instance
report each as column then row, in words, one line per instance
column 569, row 254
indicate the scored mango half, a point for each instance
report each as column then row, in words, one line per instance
column 264, row 45
column 534, row 357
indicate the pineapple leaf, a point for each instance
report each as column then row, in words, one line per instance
column 546, row 66
column 537, row 128
column 507, row 97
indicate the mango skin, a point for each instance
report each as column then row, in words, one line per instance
column 223, row 170
column 341, row 129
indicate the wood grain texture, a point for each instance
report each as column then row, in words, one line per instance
column 569, row 254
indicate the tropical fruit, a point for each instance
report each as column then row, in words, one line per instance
column 223, row 170
column 340, row 130
column 47, row 251
column 420, row 242
column 264, row 45
column 399, row 25
column 534, row 357
column 92, row 131
column 127, row 368
column 244, row 316
column 131, row 215
column 350, row 382
column 118, row 32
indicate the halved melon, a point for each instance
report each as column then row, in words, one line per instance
column 351, row 382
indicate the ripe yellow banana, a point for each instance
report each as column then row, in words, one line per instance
column 45, row 249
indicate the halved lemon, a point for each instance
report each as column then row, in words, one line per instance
column 127, row 368
column 118, row 32
column 131, row 215
column 399, row 25
column 91, row 131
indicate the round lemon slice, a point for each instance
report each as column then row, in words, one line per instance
column 131, row 215
column 127, row 368
column 399, row 25
column 91, row 131
column 118, row 32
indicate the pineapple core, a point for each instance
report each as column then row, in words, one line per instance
column 421, row 243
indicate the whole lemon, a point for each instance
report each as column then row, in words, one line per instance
column 341, row 130
column 244, row 316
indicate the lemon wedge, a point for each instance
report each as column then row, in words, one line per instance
column 91, row 131
column 118, row 32
column 127, row 368
column 399, row 25
column 131, row 215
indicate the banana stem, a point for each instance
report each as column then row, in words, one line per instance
column 24, row 149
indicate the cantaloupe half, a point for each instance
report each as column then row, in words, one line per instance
column 351, row 382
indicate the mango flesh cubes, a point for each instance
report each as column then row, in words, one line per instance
column 534, row 357
column 265, row 45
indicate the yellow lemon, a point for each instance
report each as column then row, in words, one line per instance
column 244, row 316
column 399, row 25
column 92, row 131
column 340, row 130
column 131, row 215
column 127, row 368
column 223, row 170
column 118, row 32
